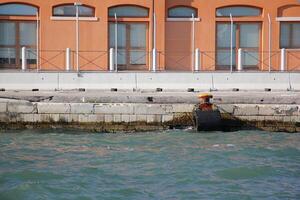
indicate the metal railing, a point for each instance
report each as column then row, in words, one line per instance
column 197, row 61
column 293, row 59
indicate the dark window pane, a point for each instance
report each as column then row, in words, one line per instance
column 224, row 56
column 70, row 11
column 27, row 34
column 138, row 35
column 128, row 11
column 238, row 11
column 183, row 12
column 250, row 58
column 7, row 56
column 138, row 57
column 249, row 35
column 7, row 33
column 224, row 35
column 290, row 35
column 121, row 35
column 17, row 9
column 296, row 35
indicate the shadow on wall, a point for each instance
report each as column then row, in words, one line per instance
column 179, row 40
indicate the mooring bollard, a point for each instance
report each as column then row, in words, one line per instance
column 206, row 117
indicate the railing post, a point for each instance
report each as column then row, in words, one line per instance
column 240, row 61
column 68, row 59
column 154, row 60
column 111, row 60
column 197, row 60
column 283, row 60
column 24, row 61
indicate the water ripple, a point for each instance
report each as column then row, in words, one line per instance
column 167, row 165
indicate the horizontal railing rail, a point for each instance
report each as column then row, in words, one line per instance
column 144, row 60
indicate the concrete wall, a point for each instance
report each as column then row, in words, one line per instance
column 276, row 117
column 149, row 81
column 131, row 112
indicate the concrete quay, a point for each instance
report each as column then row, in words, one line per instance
column 105, row 111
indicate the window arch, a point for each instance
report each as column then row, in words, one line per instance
column 18, row 9
column 182, row 12
column 69, row 10
column 238, row 11
column 128, row 11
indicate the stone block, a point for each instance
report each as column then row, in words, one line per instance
column 295, row 119
column 117, row 118
column 27, row 118
column 133, row 118
column 287, row 119
column 274, row 118
column 3, row 107
column 53, row 108
column 226, row 108
column 45, row 118
column 152, row 109
column 114, row 109
column 246, row 110
column 67, row 118
column 99, row 118
column 83, row 118
column 17, row 107
column 108, row 118
column 286, row 110
column 82, row 108
column 54, row 117
column 90, row 118
column 182, row 108
column 154, row 118
column 266, row 110
column 37, row 118
column 141, row 118
column 4, row 117
column 125, row 118
column 167, row 118
column 150, row 118
column 251, row 118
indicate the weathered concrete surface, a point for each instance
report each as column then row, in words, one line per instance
column 179, row 81
column 102, row 96
column 276, row 111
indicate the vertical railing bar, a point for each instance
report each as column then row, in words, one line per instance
column 231, row 43
column 37, row 42
column 193, row 41
column 270, row 35
column 116, row 42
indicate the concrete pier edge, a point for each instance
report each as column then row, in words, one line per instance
column 114, row 117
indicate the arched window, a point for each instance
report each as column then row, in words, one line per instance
column 238, row 11
column 128, row 11
column 17, row 9
column 182, row 12
column 69, row 10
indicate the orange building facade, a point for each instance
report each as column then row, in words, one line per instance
column 150, row 35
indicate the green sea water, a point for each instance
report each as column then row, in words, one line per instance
column 163, row 165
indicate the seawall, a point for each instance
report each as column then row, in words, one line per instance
column 175, row 81
column 114, row 117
